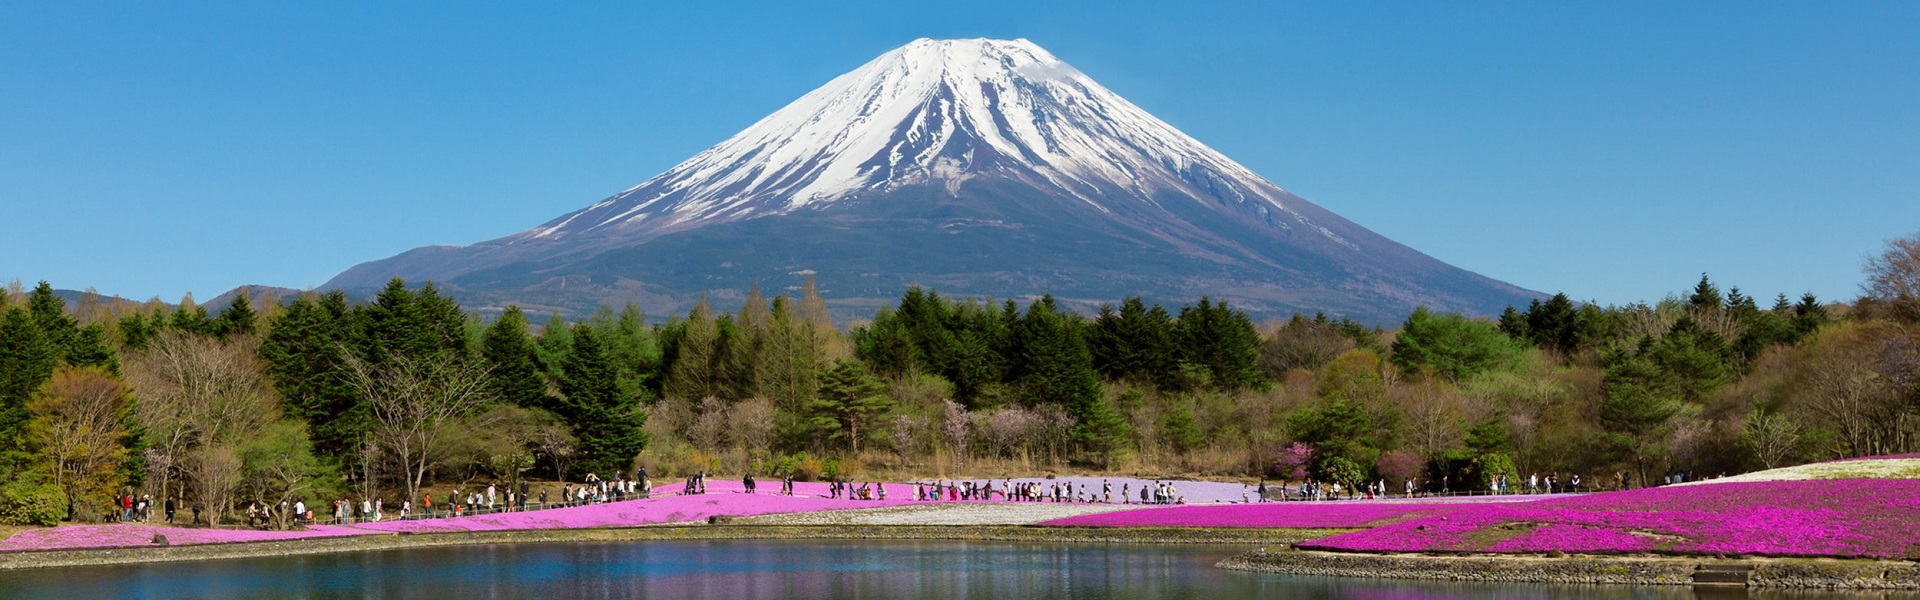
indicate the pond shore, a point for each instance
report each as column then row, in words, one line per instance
column 723, row 531
column 1753, row 572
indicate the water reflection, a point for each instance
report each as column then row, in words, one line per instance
column 736, row 570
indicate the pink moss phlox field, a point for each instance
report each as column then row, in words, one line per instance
column 121, row 536
column 1274, row 514
column 1848, row 518
column 720, row 500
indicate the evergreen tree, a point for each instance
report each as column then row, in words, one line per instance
column 27, row 359
column 691, row 374
column 1514, row 324
column 238, row 318
column 1809, row 315
column 305, row 351
column 88, row 348
column 790, row 375
column 1135, row 343
column 136, row 331
column 1221, row 341
column 513, row 363
column 50, row 316
column 1706, row 296
column 635, row 351
column 1554, row 324
column 607, row 421
column 556, row 340
column 191, row 318
column 851, row 403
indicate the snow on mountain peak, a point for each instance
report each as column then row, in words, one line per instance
column 937, row 111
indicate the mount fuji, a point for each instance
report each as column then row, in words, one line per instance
column 984, row 168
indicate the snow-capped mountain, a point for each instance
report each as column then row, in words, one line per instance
column 982, row 167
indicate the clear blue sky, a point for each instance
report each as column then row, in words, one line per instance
column 1611, row 150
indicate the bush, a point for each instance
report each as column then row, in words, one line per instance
column 32, row 504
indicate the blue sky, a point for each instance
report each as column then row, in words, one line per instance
column 1611, row 150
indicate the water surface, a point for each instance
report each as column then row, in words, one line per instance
column 745, row 570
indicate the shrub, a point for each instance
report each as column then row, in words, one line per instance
column 32, row 504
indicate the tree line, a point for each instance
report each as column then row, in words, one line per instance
column 319, row 396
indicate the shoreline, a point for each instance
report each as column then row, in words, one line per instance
column 40, row 559
column 1592, row 569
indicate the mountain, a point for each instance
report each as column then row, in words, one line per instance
column 979, row 167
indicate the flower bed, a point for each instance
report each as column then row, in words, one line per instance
column 1314, row 515
column 1847, row 518
column 129, row 535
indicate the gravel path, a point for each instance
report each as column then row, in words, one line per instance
column 959, row 513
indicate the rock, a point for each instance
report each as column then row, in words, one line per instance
column 160, row 539
column 719, row 520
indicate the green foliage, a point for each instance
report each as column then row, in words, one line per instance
column 1341, row 430
column 1341, row 469
column 850, row 404
column 1452, row 346
column 1180, row 431
column 27, row 358
column 238, row 318
column 607, row 419
column 305, row 352
column 1222, row 341
column 513, row 362
column 31, row 503
column 1134, row 344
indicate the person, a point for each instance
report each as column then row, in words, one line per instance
column 426, row 503
column 196, row 513
column 299, row 511
column 126, row 508
column 747, row 482
column 170, row 505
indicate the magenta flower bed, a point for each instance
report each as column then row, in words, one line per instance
column 720, row 499
column 1849, row 518
column 1274, row 514
column 117, row 536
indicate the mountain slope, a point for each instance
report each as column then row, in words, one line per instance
column 983, row 167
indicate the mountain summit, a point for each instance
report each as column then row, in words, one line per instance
column 979, row 167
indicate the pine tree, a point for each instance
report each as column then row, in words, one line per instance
column 1514, row 324
column 1221, row 341
column 27, row 359
column 556, row 340
column 1555, row 324
column 1706, row 296
column 191, row 318
column 790, row 375
column 851, row 403
column 1809, row 315
column 636, row 352
column 238, row 318
column 509, row 352
column 305, row 351
column 50, row 316
column 607, row 421
column 691, row 374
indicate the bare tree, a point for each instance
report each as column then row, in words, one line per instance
column 1006, row 429
column 753, row 421
column 709, row 430
column 956, row 427
column 1857, row 381
column 413, row 401
column 909, row 435
column 215, row 470
column 196, row 391
column 1893, row 277
column 1773, row 438
column 557, row 442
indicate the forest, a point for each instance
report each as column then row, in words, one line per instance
column 315, row 396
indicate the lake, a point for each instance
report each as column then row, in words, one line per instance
column 737, row 570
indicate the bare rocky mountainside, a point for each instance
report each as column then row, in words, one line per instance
column 983, row 168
